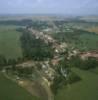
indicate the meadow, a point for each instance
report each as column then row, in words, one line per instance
column 86, row 89
column 10, row 45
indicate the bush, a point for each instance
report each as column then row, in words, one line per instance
column 72, row 78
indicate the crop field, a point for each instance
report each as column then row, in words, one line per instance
column 9, row 42
column 86, row 89
column 11, row 91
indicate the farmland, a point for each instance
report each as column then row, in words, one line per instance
column 93, row 29
column 9, row 41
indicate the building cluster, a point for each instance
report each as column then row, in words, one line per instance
column 40, row 35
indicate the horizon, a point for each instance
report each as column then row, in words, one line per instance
column 46, row 14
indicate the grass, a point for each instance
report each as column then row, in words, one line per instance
column 9, row 42
column 11, row 91
column 86, row 89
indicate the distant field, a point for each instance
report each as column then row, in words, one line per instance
column 93, row 29
column 6, row 18
column 90, row 18
column 9, row 42
column 11, row 91
column 86, row 89
column 32, row 17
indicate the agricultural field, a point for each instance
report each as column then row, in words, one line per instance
column 9, row 42
column 93, row 29
column 11, row 91
column 86, row 89
column 79, row 39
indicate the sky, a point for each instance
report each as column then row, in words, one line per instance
column 67, row 7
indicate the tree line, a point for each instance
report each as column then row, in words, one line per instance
column 4, row 62
column 27, row 22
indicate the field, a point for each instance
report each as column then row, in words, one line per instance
column 82, row 40
column 9, row 42
column 86, row 89
column 93, row 29
column 11, row 91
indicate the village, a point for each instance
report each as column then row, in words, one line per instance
column 31, row 73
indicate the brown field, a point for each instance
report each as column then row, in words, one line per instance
column 93, row 29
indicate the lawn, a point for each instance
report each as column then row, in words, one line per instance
column 86, row 89
column 11, row 91
column 9, row 42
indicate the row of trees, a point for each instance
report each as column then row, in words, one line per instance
column 6, row 62
column 86, row 64
column 20, row 71
column 3, row 61
column 27, row 22
column 16, row 22
column 10, row 66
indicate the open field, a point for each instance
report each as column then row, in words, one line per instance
column 11, row 91
column 86, row 89
column 9, row 42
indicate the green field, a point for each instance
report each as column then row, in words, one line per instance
column 11, row 91
column 9, row 42
column 86, row 89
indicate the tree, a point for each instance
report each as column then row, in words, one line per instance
column 12, row 62
column 35, row 49
column 3, row 61
column 24, row 71
column 91, row 63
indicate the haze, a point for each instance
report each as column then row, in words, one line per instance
column 73, row 7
